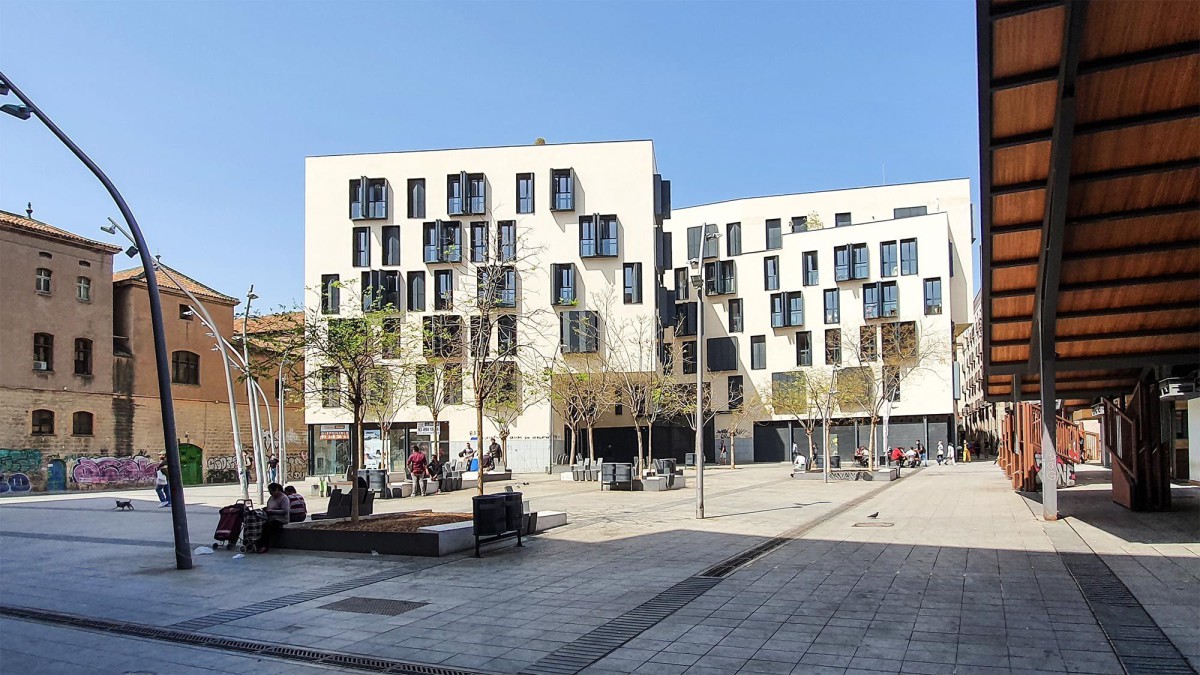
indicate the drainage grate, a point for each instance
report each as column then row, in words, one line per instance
column 872, row 523
column 1136, row 639
column 262, row 649
column 374, row 606
column 597, row 644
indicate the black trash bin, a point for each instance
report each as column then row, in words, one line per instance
column 514, row 508
column 488, row 514
column 835, row 462
column 377, row 481
column 689, row 459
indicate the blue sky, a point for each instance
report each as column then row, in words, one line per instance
column 202, row 113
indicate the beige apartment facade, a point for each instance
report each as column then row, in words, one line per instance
column 812, row 283
column 576, row 224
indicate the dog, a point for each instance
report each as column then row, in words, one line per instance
column 126, row 505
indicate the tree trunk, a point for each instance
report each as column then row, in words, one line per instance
column 732, row 454
column 503, row 449
column 650, row 443
column 479, row 452
column 356, row 460
column 591, row 444
column 871, row 447
column 809, row 431
column 638, row 431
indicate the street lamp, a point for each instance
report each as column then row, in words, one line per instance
column 697, row 280
column 183, row 547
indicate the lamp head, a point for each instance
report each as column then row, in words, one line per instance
column 3, row 88
column 109, row 229
column 15, row 110
column 132, row 251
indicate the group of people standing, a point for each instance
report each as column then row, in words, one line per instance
column 421, row 467
column 918, row 455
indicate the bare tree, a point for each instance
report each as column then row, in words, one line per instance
column 742, row 414
column 507, row 405
column 386, row 397
column 345, row 358
column 886, row 355
column 632, row 356
column 804, row 396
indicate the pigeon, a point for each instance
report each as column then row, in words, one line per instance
column 874, row 515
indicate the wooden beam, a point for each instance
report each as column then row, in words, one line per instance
column 1095, row 337
column 1121, row 252
column 1100, row 285
column 1099, row 176
column 1100, row 65
column 983, row 31
column 1099, row 126
column 1116, row 362
column 1108, row 311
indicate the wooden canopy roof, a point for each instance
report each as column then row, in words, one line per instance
column 1090, row 167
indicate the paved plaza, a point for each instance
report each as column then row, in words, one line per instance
column 955, row 574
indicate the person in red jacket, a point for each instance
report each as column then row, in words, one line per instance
column 897, row 455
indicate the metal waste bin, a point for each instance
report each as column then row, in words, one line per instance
column 514, row 508
column 488, row 513
column 377, row 481
column 689, row 459
column 835, row 461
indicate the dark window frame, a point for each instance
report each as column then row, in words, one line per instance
column 804, row 348
column 889, row 259
column 771, row 281
column 758, row 352
column 562, row 189
column 737, row 321
column 842, row 219
column 443, row 291
column 83, row 357
column 733, row 239
column 185, row 367
column 331, row 294
column 909, row 257
column 833, row 347
column 774, row 234
column 933, row 284
column 41, row 422
column 525, row 202
column 860, row 261
column 720, row 277
column 415, row 291
column 564, row 284
column 833, row 311
column 43, row 280
column 810, row 261
column 631, row 275
column 43, row 351
column 390, row 243
column 416, row 200
column 441, row 241
column 506, row 241
column 799, row 224
column 479, row 241
column 579, row 332
column 889, row 299
column 360, row 247
column 83, row 423
column 369, row 199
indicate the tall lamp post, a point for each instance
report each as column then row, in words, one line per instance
column 697, row 279
column 183, row 547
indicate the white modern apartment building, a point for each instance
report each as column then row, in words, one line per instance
column 572, row 227
column 787, row 294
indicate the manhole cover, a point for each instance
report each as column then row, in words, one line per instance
column 873, row 524
column 374, row 606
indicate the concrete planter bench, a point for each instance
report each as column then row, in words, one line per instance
column 430, row 541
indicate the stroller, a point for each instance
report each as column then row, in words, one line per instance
column 252, row 529
column 229, row 526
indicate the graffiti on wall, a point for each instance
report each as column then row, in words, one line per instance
column 102, row 472
column 220, row 469
column 297, row 465
column 17, row 482
column 20, row 461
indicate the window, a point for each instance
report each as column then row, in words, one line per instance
column 83, row 289
column 688, row 349
column 868, row 344
column 870, row 301
column 524, row 193
column 812, row 275
column 185, row 368
column 43, row 423
column 682, row 284
column 442, row 335
column 43, row 351
column 633, row 283
column 481, row 336
column 83, row 356
column 331, row 388
column 720, row 277
column 380, row 290
column 695, row 235
column 507, row 244
column 787, row 309
column 804, row 348
column 711, row 247
column 841, row 219
column 597, row 236
column 891, row 383
column 908, row 256
column 774, row 234
column 506, row 335
column 443, row 290
column 454, row 193
column 899, row 340
column 685, row 319
column 391, row 245
column 564, row 283
column 841, row 263
column 890, row 294
column 331, row 290
column 416, row 197
column 368, row 199
column 392, row 333
column 416, row 291
column 721, row 353
column 362, row 247
column 479, row 242
column 771, row 273
column 562, row 190
column 735, row 392
column 496, row 287
column 42, row 280
column 833, row 346
column 950, row 244
column 733, row 239
column 909, row 211
column 452, row 383
column 667, row 358
column 476, row 194
column 185, row 312
column 443, row 241
column 663, row 256
column 735, row 315
column 579, row 331
column 758, row 352
column 933, row 296
column 81, row 424
column 833, row 311
column 799, row 224
column 861, row 260
column 889, row 259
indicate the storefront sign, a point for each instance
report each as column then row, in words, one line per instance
column 425, row 428
column 334, row 432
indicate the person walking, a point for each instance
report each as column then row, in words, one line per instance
column 418, row 466
column 273, row 468
column 924, row 457
column 161, row 485
column 941, row 454
column 495, row 451
column 279, row 510
column 950, row 459
column 724, row 456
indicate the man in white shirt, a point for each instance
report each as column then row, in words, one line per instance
column 800, row 463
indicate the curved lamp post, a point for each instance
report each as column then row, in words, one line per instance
column 183, row 547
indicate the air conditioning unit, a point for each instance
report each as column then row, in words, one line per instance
column 41, row 365
column 1177, row 389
